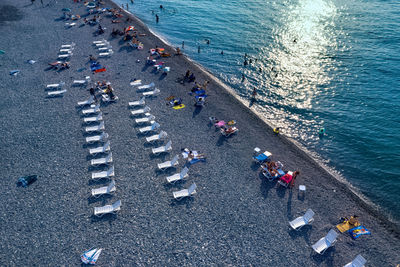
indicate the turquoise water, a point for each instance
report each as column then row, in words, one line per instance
column 315, row 63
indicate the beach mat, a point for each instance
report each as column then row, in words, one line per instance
column 100, row 70
column 344, row 227
column 178, row 106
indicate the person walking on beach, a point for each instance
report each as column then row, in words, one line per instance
column 254, row 93
column 157, row 18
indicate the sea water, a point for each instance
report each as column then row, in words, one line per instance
column 332, row 64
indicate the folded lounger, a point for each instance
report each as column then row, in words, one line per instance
column 146, row 86
column 92, row 109
column 148, row 118
column 87, row 102
column 104, row 190
column 168, row 164
column 358, row 261
column 156, row 137
column 286, row 179
column 100, row 149
column 141, row 111
column 299, row 222
column 140, row 102
column 100, row 211
column 97, row 128
column 57, row 93
column 178, row 195
column 93, row 119
column 263, row 157
column 325, row 242
column 104, row 174
column 55, row 85
column 178, row 176
column 152, row 93
column 154, row 126
column 102, row 161
column 162, row 149
column 97, row 138
column 82, row 82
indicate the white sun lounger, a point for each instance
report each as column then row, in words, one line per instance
column 104, row 190
column 55, row 85
column 178, row 195
column 105, row 48
column 57, row 93
column 102, row 43
column 140, row 102
column 148, row 118
column 178, row 176
column 100, row 211
column 72, row 45
column 154, row 126
column 156, row 137
column 358, row 261
column 152, row 93
column 136, row 83
column 94, row 119
column 92, row 109
column 104, row 174
column 162, row 149
column 97, row 138
column 299, row 222
column 146, row 86
column 64, row 56
column 86, row 102
column 102, row 161
column 100, row 149
column 70, row 24
column 66, row 50
column 169, row 164
column 82, row 82
column 325, row 242
column 99, row 42
column 106, row 54
column 141, row 111
column 96, row 128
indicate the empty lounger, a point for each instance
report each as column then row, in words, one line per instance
column 99, row 42
column 104, row 174
column 140, row 102
column 156, row 137
column 299, row 222
column 100, row 211
column 148, row 118
column 136, row 83
column 102, row 161
column 152, row 93
column 106, row 54
column 358, row 261
column 66, row 50
column 92, row 109
column 82, row 82
column 93, row 119
column 100, row 149
column 97, row 138
column 105, row 48
column 162, row 149
column 57, row 93
column 64, row 56
column 154, row 126
column 96, row 128
column 104, row 190
column 178, row 176
column 103, row 43
column 55, row 85
column 86, row 102
column 72, row 45
column 141, row 111
column 146, row 86
column 169, row 164
column 325, row 242
column 178, row 195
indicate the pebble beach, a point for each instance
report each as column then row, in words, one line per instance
column 237, row 217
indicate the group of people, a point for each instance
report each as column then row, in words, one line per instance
column 105, row 88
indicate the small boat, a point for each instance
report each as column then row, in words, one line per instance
column 91, row 256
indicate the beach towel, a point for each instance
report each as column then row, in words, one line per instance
column 261, row 157
column 345, row 226
column 100, row 70
column 178, row 106
column 358, row 231
column 287, row 178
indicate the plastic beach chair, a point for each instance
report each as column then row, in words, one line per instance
column 72, row 45
column 154, row 126
column 152, row 93
column 149, row 118
column 140, row 102
column 162, row 149
column 99, row 41
column 55, row 85
column 146, row 86
column 57, row 93
column 97, row 128
column 136, row 83
column 358, row 261
column 104, row 190
column 156, row 137
column 97, row 138
column 325, row 242
column 299, row 222
column 82, row 82
column 91, row 110
column 178, row 176
column 102, row 161
column 263, row 157
column 140, row 111
column 87, row 102
column 106, row 54
column 286, row 179
column 168, row 164
column 178, row 195
column 65, row 56
column 104, row 174
column 93, row 119
column 101, row 149
column 100, row 211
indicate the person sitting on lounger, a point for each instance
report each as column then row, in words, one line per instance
column 110, row 92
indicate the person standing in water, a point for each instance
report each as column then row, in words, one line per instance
column 198, row 49
column 157, row 18
column 183, row 44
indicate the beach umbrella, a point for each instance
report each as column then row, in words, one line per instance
column 66, row 10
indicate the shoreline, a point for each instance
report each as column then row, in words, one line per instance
column 342, row 182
